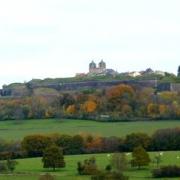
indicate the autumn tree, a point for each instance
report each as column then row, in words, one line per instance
column 53, row 157
column 153, row 110
column 119, row 96
column 89, row 106
column 93, row 144
column 163, row 110
column 71, row 109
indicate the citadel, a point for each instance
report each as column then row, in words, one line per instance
column 90, row 80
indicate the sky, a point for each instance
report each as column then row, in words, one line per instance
column 58, row 38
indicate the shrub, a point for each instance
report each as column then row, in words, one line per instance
column 166, row 139
column 3, row 167
column 109, row 176
column 11, row 165
column 119, row 162
column 89, row 167
column 166, row 171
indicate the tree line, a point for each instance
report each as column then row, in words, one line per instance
column 122, row 102
column 34, row 145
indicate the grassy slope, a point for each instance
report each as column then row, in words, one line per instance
column 19, row 129
column 33, row 167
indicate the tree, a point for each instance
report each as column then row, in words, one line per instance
column 89, row 106
column 137, row 139
column 119, row 96
column 34, row 145
column 53, row 157
column 89, row 167
column 140, row 157
column 178, row 72
column 166, row 139
column 119, row 162
column 71, row 109
column 153, row 110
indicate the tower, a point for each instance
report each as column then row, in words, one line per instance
column 102, row 65
column 92, row 66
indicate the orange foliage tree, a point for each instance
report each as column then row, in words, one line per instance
column 71, row 109
column 89, row 106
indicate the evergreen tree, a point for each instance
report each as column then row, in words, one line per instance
column 53, row 157
column 178, row 72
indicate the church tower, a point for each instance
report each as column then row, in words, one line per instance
column 102, row 65
column 92, row 67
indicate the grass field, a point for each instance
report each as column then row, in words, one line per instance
column 19, row 129
column 30, row 169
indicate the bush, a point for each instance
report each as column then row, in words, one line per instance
column 119, row 162
column 109, row 176
column 166, row 171
column 166, row 139
column 89, row 167
column 11, row 165
column 3, row 167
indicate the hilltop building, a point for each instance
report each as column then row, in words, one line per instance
column 93, row 69
column 100, row 70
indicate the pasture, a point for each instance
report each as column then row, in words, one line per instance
column 30, row 169
column 16, row 130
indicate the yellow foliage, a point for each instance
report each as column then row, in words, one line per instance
column 89, row 106
column 71, row 109
column 153, row 109
column 163, row 109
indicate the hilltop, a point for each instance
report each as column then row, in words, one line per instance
column 148, row 78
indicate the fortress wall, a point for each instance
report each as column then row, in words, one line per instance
column 75, row 86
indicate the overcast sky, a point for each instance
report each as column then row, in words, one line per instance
column 58, row 38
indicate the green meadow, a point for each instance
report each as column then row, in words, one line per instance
column 14, row 130
column 30, row 169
